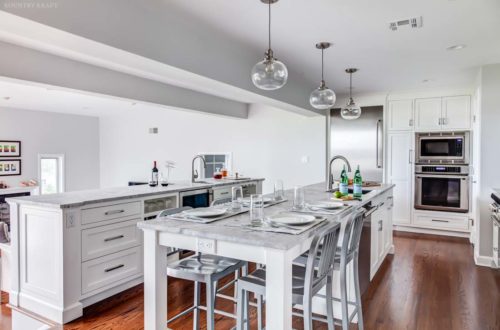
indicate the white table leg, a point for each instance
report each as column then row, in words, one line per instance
column 278, row 290
column 155, row 282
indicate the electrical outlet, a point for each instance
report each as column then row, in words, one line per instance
column 206, row 245
column 70, row 220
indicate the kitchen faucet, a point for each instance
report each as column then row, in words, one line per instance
column 194, row 173
column 330, row 175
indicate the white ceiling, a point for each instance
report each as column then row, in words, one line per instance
column 359, row 29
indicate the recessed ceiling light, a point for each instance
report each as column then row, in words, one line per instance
column 456, row 47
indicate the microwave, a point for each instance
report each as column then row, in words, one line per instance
column 442, row 148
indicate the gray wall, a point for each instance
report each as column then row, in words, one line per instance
column 77, row 137
column 490, row 149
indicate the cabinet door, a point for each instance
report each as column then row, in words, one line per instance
column 388, row 223
column 428, row 114
column 400, row 172
column 374, row 246
column 456, row 112
column 400, row 115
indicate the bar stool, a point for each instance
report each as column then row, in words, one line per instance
column 306, row 281
column 347, row 252
column 208, row 269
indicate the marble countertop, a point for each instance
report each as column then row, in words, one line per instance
column 84, row 197
column 224, row 229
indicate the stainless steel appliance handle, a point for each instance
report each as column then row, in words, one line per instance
column 409, row 156
column 379, row 147
column 369, row 210
column 465, row 177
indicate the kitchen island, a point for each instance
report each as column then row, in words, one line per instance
column 275, row 250
column 74, row 249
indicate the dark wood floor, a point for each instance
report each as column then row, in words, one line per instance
column 430, row 283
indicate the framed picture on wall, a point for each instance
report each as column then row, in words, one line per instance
column 10, row 167
column 10, row 148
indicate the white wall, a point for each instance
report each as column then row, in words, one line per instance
column 77, row 137
column 269, row 144
column 490, row 150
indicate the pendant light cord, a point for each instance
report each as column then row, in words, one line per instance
column 350, row 85
column 269, row 24
column 322, row 64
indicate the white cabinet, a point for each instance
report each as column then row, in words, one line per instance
column 400, row 172
column 456, row 112
column 443, row 113
column 428, row 114
column 381, row 231
column 400, row 115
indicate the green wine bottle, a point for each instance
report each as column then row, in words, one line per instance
column 344, row 183
column 357, row 184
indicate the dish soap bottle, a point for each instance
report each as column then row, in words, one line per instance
column 357, row 184
column 344, row 183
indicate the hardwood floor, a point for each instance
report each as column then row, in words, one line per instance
column 430, row 283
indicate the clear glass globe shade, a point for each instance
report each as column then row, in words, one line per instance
column 269, row 74
column 322, row 98
column 351, row 111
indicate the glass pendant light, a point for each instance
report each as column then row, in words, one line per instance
column 322, row 98
column 269, row 74
column 351, row 111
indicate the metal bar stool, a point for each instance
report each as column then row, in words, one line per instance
column 208, row 269
column 306, row 281
column 347, row 252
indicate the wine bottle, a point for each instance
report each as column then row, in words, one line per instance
column 357, row 184
column 344, row 183
column 154, row 175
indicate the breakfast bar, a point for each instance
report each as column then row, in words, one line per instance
column 275, row 250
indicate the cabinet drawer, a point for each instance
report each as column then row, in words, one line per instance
column 100, row 241
column 222, row 193
column 450, row 223
column 109, row 269
column 108, row 212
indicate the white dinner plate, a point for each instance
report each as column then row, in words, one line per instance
column 205, row 212
column 266, row 200
column 292, row 219
column 327, row 205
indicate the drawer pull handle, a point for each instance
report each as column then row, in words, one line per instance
column 224, row 193
column 114, row 212
column 495, row 249
column 436, row 220
column 113, row 238
column 114, row 268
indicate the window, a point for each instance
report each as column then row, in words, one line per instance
column 215, row 160
column 51, row 173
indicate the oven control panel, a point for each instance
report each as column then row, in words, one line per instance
column 442, row 169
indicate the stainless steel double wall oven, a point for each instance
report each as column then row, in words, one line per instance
column 442, row 181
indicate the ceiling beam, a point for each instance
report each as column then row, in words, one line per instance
column 30, row 65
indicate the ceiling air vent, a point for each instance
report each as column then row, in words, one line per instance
column 412, row 23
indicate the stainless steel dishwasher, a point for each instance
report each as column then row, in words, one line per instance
column 365, row 246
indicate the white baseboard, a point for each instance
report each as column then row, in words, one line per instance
column 430, row 231
column 484, row 261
